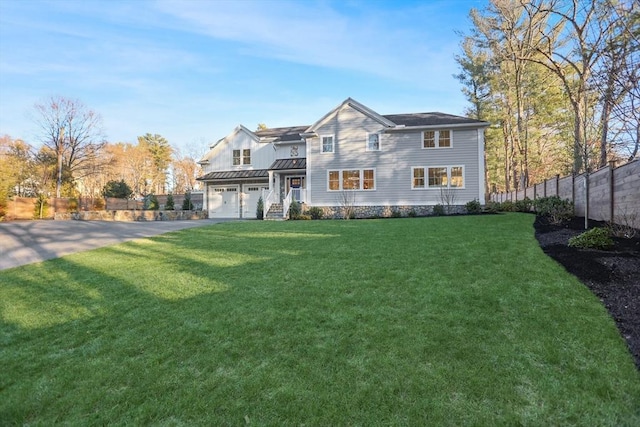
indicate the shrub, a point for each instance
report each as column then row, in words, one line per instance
column 294, row 209
column 412, row 213
column 73, row 205
column 554, row 209
column 438, row 210
column 492, row 207
column 171, row 204
column 396, row 214
column 315, row 212
column 473, row 207
column 524, row 205
column 303, row 217
column 260, row 209
column 596, row 238
column 151, row 202
column 507, row 206
column 187, row 205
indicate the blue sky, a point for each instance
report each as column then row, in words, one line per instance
column 191, row 70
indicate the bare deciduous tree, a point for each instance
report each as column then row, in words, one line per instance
column 72, row 131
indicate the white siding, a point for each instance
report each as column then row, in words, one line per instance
column 400, row 151
column 221, row 156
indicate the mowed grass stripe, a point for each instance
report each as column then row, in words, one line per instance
column 450, row 321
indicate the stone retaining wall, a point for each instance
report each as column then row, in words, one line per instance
column 131, row 215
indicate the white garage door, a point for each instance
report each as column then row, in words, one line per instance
column 223, row 202
column 250, row 195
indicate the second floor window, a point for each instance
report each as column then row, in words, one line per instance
column 241, row 157
column 373, row 142
column 436, row 139
column 327, row 144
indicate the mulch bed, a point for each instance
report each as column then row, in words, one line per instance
column 612, row 275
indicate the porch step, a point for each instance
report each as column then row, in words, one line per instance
column 275, row 212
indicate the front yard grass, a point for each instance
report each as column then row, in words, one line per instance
column 417, row 321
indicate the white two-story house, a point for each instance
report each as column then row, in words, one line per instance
column 376, row 164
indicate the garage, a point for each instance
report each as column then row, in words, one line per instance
column 223, row 201
column 250, row 195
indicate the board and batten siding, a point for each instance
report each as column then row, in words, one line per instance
column 221, row 157
column 400, row 152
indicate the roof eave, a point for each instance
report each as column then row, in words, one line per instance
column 441, row 126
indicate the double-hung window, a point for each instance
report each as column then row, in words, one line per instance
column 236, row 157
column 246, row 157
column 373, row 142
column 437, row 177
column 351, row 179
column 436, row 139
column 327, row 143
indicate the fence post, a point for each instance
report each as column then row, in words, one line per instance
column 611, row 192
column 558, row 185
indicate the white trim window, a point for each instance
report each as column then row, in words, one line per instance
column 351, row 179
column 327, row 143
column 436, row 139
column 373, row 142
column 437, row 177
column 241, row 157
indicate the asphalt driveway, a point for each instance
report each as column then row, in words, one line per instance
column 25, row 242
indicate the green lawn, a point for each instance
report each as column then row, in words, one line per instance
column 417, row 321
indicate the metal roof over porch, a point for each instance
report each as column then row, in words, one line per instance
column 287, row 164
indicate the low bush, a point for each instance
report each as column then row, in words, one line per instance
column 294, row 209
column 524, row 205
column 492, row 207
column 396, row 214
column 303, row 217
column 473, row 207
column 438, row 210
column 412, row 213
column 554, row 209
column 507, row 206
column 596, row 238
column 315, row 212
column 73, row 205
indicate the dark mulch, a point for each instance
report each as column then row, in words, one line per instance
column 612, row 275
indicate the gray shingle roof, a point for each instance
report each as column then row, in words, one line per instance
column 283, row 164
column 431, row 119
column 227, row 175
column 291, row 133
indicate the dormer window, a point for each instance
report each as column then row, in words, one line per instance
column 436, row 139
column 373, row 142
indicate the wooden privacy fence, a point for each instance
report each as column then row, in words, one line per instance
column 608, row 194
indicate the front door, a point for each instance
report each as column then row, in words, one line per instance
column 295, row 184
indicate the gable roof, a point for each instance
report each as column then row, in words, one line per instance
column 356, row 106
column 432, row 119
column 283, row 134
